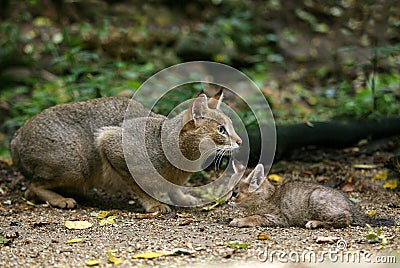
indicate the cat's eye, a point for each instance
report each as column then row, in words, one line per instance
column 222, row 130
column 234, row 194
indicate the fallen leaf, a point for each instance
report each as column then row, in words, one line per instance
column 29, row 203
column 92, row 262
column 170, row 215
column 112, row 259
column 372, row 213
column 187, row 222
column 147, row 215
column 364, row 166
column 4, row 241
column 380, row 176
column 109, row 220
column 184, row 251
column 275, row 178
column 326, row 239
column 392, row 184
column 237, row 244
column 40, row 223
column 94, row 214
column 264, row 237
column 184, row 215
column 152, row 255
column 76, row 240
column 306, row 121
column 104, row 214
column 347, row 188
column 362, row 142
column 354, row 200
column 78, row 224
column 211, row 207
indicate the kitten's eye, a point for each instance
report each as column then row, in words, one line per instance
column 222, row 130
column 234, row 194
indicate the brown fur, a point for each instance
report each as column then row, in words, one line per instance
column 79, row 145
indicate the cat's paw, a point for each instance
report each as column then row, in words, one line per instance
column 182, row 199
column 190, row 200
column 63, row 203
column 314, row 224
column 163, row 208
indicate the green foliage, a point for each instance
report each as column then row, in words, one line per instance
column 376, row 236
column 380, row 95
column 112, row 55
column 361, row 103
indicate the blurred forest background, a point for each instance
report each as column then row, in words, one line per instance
column 313, row 59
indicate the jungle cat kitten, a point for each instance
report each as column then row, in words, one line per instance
column 294, row 203
column 78, row 145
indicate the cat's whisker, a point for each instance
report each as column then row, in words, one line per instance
column 216, row 162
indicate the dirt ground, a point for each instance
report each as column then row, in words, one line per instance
column 35, row 235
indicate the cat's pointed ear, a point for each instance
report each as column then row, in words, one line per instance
column 257, row 177
column 198, row 110
column 216, row 100
column 237, row 166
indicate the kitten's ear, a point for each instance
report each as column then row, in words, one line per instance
column 216, row 100
column 237, row 166
column 257, row 177
column 197, row 111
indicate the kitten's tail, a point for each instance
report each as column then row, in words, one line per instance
column 381, row 222
column 361, row 219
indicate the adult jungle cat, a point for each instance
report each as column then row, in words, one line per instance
column 78, row 145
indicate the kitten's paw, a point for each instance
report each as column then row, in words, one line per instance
column 314, row 224
column 163, row 208
column 63, row 203
column 238, row 223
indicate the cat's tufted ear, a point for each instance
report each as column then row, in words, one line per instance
column 256, row 178
column 216, row 100
column 197, row 111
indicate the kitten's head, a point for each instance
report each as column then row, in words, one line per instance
column 205, row 121
column 252, row 189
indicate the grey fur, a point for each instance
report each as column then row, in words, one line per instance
column 295, row 203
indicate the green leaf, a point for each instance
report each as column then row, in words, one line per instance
column 371, row 237
column 237, row 244
column 355, row 200
column 378, row 231
column 4, row 241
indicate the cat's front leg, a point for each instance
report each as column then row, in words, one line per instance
column 258, row 220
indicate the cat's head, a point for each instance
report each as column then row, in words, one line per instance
column 205, row 121
column 251, row 189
